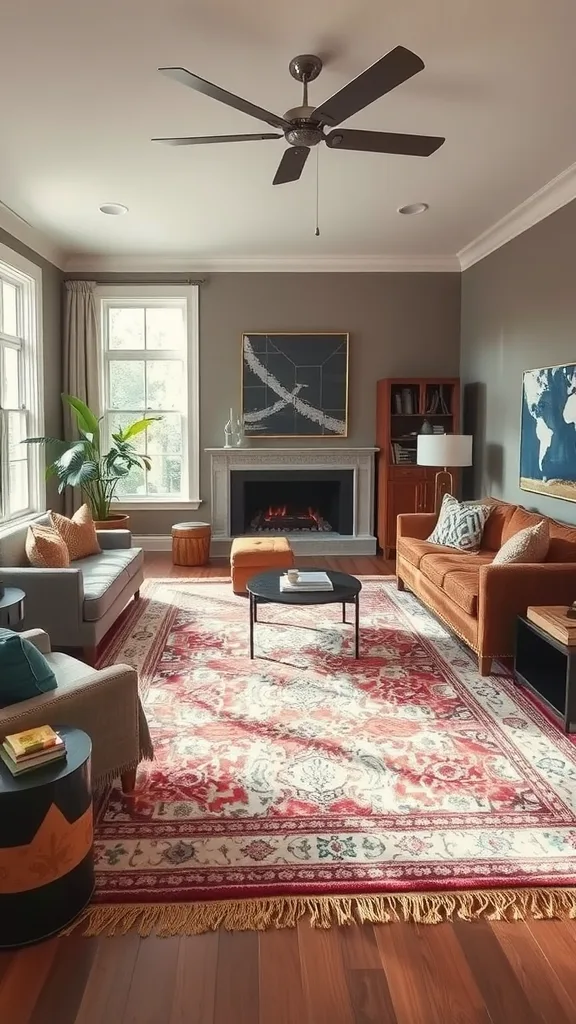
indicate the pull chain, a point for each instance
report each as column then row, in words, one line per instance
column 317, row 231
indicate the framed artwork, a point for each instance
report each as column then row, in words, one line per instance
column 548, row 431
column 295, row 385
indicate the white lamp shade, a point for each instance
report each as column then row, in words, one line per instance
column 446, row 450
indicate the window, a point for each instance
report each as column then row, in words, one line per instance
column 150, row 368
column 22, row 489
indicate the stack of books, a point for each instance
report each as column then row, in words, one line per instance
column 34, row 748
column 307, row 581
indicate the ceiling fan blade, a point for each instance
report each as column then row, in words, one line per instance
column 291, row 165
column 388, row 72
column 383, row 142
column 201, row 85
column 202, row 139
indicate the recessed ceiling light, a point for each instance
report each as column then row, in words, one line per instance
column 113, row 209
column 413, row 208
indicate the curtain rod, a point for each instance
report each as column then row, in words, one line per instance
column 136, row 278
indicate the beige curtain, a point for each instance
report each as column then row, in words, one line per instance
column 81, row 359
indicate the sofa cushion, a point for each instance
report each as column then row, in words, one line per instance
column 520, row 520
column 78, row 533
column 105, row 576
column 24, row 671
column 459, row 525
column 45, row 548
column 562, row 542
column 500, row 515
column 462, row 588
column 413, row 549
column 526, row 546
column 437, row 566
column 13, row 542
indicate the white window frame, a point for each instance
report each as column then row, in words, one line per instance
column 110, row 296
column 27, row 277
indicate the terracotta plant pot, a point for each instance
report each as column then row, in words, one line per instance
column 119, row 521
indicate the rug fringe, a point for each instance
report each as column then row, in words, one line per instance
column 325, row 911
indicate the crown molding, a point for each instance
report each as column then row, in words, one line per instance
column 32, row 237
column 261, row 264
column 551, row 197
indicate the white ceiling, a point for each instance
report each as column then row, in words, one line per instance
column 81, row 99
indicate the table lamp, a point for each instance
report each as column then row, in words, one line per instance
column 446, row 450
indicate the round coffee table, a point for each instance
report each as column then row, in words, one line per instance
column 11, row 607
column 46, row 858
column 265, row 589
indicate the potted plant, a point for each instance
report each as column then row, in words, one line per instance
column 81, row 463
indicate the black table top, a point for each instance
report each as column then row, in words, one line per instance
column 267, row 587
column 78, row 750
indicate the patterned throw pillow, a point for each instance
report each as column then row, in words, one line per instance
column 460, row 526
column 529, row 545
column 78, row 533
column 45, row 548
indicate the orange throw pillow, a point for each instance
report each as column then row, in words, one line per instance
column 78, row 533
column 45, row 548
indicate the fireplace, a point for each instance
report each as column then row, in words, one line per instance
column 291, row 501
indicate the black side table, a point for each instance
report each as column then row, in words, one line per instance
column 12, row 607
column 547, row 667
column 46, row 835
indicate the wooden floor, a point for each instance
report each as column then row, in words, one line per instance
column 461, row 973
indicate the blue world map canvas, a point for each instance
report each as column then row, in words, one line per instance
column 295, row 385
column 548, row 432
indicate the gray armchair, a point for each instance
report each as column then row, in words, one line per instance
column 104, row 703
column 75, row 606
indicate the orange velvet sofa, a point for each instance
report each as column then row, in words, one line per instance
column 477, row 600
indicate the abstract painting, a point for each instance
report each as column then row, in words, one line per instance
column 295, row 385
column 548, row 432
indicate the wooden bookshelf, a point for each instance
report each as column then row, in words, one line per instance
column 402, row 405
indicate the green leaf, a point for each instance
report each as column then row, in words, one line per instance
column 139, row 426
column 85, row 418
column 86, row 472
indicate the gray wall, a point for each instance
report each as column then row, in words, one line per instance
column 398, row 324
column 52, row 344
column 518, row 312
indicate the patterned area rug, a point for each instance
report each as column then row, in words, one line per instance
column 399, row 785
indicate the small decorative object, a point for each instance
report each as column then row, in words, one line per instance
column 239, row 432
column 295, row 385
column 292, row 575
column 571, row 613
column 191, row 543
column 548, row 432
column 444, row 450
column 229, row 432
column 426, row 427
column 82, row 463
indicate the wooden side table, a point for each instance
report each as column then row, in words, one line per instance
column 46, row 834
column 547, row 667
column 191, row 543
column 12, row 607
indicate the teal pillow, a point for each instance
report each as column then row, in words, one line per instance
column 24, row 671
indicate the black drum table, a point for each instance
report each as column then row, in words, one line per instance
column 46, row 838
column 265, row 589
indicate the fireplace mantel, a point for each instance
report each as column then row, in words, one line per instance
column 359, row 460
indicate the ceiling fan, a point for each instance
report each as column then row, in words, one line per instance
column 304, row 126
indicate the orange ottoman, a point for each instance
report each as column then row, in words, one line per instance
column 251, row 555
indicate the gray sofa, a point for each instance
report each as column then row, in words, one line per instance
column 75, row 606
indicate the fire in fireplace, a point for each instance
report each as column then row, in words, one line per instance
column 289, row 518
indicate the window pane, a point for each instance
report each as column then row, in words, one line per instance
column 17, row 431
column 165, row 477
column 165, row 379
column 10, row 393
column 165, row 328
column 165, row 436
column 18, row 487
column 120, row 420
column 9, row 308
column 133, row 483
column 126, row 384
column 126, row 328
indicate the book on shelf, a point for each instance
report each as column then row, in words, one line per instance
column 401, row 454
column 307, row 581
column 436, row 403
column 408, row 401
column 34, row 748
column 397, row 402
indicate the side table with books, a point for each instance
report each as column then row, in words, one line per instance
column 545, row 659
column 46, row 832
